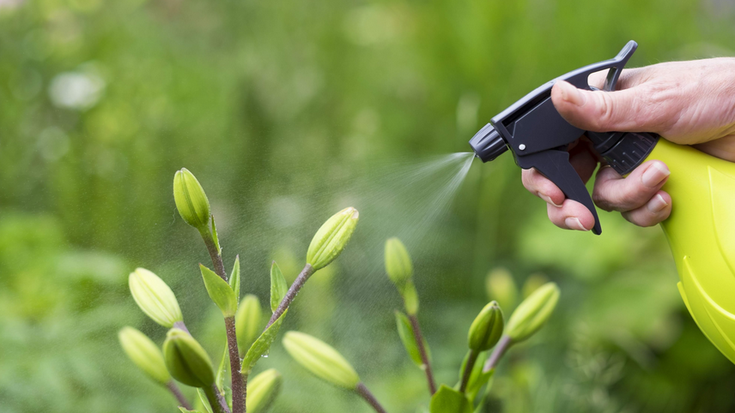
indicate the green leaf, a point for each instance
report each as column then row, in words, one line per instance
column 219, row 291
column 477, row 377
column 405, row 332
column 203, row 400
column 235, row 278
column 222, row 369
column 279, row 286
column 184, row 410
column 262, row 344
column 215, row 238
column 448, row 400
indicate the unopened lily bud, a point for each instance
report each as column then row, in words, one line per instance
column 398, row 263
column 191, row 201
column 533, row 312
column 331, row 238
column 320, row 359
column 533, row 282
column 502, row 288
column 154, row 297
column 487, row 328
column 144, row 353
column 186, row 360
column 263, row 390
column 248, row 321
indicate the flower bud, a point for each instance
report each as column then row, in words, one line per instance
column 248, row 321
column 397, row 262
column 144, row 353
column 487, row 328
column 501, row 287
column 186, row 360
column 320, row 359
column 331, row 238
column 263, row 390
column 154, row 297
column 533, row 312
column 191, row 201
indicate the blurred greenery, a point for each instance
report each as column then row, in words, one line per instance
column 280, row 108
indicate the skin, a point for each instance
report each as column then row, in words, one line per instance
column 689, row 103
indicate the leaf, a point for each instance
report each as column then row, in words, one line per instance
column 219, row 291
column 405, row 332
column 235, row 278
column 279, row 286
column 262, row 344
column 448, row 400
column 478, row 378
column 215, row 238
column 203, row 400
column 222, row 369
column 184, row 410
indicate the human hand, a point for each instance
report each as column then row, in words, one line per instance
column 689, row 103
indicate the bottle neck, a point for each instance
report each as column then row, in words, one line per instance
column 624, row 151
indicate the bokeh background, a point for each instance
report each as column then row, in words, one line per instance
column 285, row 110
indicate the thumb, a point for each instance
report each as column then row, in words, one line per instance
column 600, row 111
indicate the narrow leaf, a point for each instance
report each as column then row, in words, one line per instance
column 448, row 400
column 215, row 237
column 235, row 278
column 478, row 378
column 405, row 332
column 279, row 286
column 203, row 400
column 262, row 344
column 184, row 410
column 219, row 291
column 222, row 369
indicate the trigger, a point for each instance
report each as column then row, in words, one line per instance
column 554, row 164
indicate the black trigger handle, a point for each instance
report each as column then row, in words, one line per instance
column 554, row 164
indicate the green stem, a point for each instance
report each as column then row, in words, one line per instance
column 238, row 390
column 500, row 349
column 215, row 399
column 174, row 389
column 369, row 397
column 468, row 370
column 219, row 265
column 291, row 293
column 422, row 351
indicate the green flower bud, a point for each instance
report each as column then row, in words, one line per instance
column 320, row 359
column 191, row 201
column 331, row 238
column 144, row 353
column 186, row 360
column 263, row 390
column 154, row 297
column 502, row 288
column 487, row 328
column 533, row 312
column 248, row 321
column 397, row 262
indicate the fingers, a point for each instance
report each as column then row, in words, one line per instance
column 657, row 209
column 622, row 110
column 613, row 192
column 542, row 187
column 571, row 215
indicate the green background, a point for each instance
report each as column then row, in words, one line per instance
column 288, row 111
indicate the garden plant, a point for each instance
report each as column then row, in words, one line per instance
column 228, row 388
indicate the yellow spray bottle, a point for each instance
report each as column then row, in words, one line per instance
column 701, row 228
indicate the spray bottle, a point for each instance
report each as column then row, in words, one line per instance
column 701, row 227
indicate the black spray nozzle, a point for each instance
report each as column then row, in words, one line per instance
column 488, row 144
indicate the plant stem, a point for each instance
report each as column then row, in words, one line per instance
column 238, row 393
column 174, row 389
column 422, row 351
column 365, row 394
column 291, row 293
column 468, row 370
column 500, row 349
column 215, row 399
column 180, row 325
column 219, row 266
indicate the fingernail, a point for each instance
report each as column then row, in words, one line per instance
column 571, row 94
column 655, row 174
column 657, row 204
column 547, row 199
column 575, row 223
